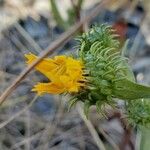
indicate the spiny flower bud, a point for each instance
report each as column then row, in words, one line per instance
column 108, row 74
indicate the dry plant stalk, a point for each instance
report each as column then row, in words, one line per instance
column 91, row 128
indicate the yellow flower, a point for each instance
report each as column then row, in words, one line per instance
column 65, row 74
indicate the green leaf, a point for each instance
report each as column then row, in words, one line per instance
column 128, row 90
column 145, row 138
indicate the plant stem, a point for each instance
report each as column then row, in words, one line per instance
column 145, row 138
column 58, row 18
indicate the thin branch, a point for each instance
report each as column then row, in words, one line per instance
column 56, row 44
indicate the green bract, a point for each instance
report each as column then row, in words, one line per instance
column 108, row 73
column 139, row 112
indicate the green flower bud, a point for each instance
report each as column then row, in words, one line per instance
column 108, row 73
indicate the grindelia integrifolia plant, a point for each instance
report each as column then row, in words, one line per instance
column 99, row 75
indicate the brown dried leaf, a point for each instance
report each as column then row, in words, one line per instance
column 116, row 4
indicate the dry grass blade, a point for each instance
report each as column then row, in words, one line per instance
column 92, row 130
column 56, row 44
column 30, row 40
column 17, row 114
column 109, row 139
column 26, row 140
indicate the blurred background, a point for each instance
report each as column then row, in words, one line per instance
column 28, row 122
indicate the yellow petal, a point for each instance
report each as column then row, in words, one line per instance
column 45, row 66
column 65, row 74
column 73, row 88
column 51, row 88
column 68, row 83
column 60, row 59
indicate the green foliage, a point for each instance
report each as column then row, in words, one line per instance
column 128, row 90
column 109, row 75
column 144, row 138
column 58, row 18
column 139, row 112
column 72, row 14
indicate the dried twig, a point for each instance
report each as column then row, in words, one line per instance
column 56, row 44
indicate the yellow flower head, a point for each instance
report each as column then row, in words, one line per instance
column 65, row 74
